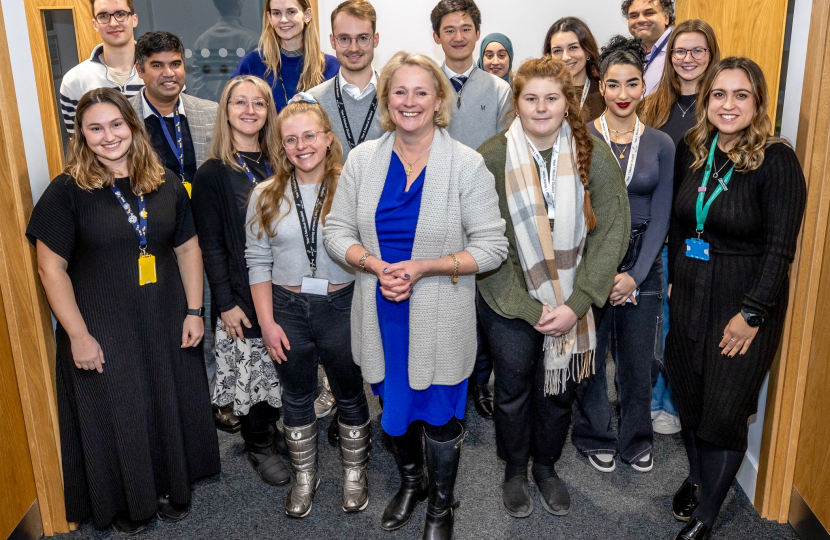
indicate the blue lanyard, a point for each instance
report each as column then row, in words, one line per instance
column 247, row 170
column 702, row 210
column 177, row 147
column 656, row 50
column 138, row 223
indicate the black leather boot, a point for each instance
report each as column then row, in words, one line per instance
column 442, row 465
column 694, row 530
column 409, row 455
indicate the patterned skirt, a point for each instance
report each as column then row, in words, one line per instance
column 245, row 374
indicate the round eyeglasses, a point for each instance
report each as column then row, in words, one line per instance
column 290, row 142
column 698, row 53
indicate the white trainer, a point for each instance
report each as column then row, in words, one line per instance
column 666, row 424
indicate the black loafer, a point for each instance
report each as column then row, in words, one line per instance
column 225, row 419
column 171, row 512
column 334, row 430
column 483, row 400
column 694, row 530
column 516, row 497
column 685, row 501
column 124, row 525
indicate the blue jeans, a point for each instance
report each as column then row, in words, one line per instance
column 318, row 328
column 661, row 400
column 634, row 335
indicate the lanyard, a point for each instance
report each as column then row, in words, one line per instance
column 138, row 223
column 247, row 169
column 702, row 210
column 656, row 50
column 177, row 147
column 345, row 119
column 635, row 146
column 548, row 179
column 309, row 233
column 585, row 91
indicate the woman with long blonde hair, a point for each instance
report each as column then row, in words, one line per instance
column 738, row 204
column 121, row 266
column 289, row 57
column 303, row 301
column 241, row 154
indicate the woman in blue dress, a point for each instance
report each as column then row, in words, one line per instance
column 417, row 212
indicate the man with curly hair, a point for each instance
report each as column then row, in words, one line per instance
column 651, row 21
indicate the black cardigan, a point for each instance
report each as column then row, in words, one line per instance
column 221, row 230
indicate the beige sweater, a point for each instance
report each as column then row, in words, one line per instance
column 459, row 212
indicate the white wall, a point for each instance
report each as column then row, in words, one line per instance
column 405, row 25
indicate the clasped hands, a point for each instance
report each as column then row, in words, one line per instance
column 397, row 280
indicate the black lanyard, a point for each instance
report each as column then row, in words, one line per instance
column 309, row 233
column 138, row 223
column 177, row 147
column 345, row 119
column 247, row 169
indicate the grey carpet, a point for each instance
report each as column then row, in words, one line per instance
column 622, row 505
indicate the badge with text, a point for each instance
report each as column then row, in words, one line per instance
column 313, row 285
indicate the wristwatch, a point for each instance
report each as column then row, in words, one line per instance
column 752, row 319
column 200, row 312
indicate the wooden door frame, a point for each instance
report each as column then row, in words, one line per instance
column 86, row 37
column 787, row 384
column 27, row 311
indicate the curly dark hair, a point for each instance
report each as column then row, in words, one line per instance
column 446, row 7
column 156, row 42
column 666, row 5
column 624, row 51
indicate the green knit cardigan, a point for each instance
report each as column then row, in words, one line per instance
column 504, row 288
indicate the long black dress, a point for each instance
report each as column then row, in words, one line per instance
column 144, row 426
column 752, row 229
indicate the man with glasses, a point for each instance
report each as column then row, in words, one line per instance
column 350, row 98
column 651, row 21
column 112, row 63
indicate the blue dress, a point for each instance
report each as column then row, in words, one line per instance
column 395, row 220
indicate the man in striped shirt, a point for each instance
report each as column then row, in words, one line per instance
column 111, row 65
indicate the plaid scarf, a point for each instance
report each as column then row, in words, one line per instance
column 550, row 257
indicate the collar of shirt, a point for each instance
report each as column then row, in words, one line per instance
column 660, row 44
column 148, row 112
column 353, row 90
column 450, row 73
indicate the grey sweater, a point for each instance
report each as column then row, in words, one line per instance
column 459, row 212
column 355, row 111
column 485, row 100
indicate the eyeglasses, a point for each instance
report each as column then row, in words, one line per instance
column 363, row 41
column 290, row 142
column 698, row 53
column 119, row 16
column 242, row 104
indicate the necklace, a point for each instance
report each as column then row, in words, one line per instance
column 620, row 150
column 621, row 132
column 717, row 172
column 252, row 159
column 408, row 168
column 684, row 111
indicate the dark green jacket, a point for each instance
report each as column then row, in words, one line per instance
column 504, row 289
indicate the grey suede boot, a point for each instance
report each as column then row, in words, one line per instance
column 302, row 451
column 354, row 449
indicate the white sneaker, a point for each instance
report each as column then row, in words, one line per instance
column 324, row 405
column 666, row 424
column 603, row 462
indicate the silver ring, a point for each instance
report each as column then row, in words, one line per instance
column 732, row 339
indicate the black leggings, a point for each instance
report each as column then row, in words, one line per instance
column 714, row 468
column 256, row 423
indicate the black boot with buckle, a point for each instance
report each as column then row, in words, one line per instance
column 442, row 465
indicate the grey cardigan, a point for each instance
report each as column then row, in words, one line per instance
column 459, row 212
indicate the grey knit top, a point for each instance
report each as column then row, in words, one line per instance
column 459, row 212
column 485, row 100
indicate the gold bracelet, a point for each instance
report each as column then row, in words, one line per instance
column 362, row 262
column 454, row 277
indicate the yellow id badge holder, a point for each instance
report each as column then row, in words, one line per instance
column 146, row 269
column 188, row 187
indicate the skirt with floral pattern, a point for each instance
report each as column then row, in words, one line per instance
column 245, row 373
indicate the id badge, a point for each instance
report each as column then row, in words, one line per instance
column 697, row 249
column 146, row 269
column 188, row 187
column 315, row 286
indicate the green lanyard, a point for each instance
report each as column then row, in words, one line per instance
column 702, row 210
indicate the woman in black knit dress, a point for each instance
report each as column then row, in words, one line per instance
column 728, row 271
column 120, row 263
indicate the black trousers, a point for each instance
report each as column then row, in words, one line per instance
column 528, row 423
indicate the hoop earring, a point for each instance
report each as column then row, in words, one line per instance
column 566, row 114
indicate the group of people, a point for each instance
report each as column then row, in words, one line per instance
column 419, row 229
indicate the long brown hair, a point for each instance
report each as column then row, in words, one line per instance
column 146, row 172
column 657, row 106
column 314, row 61
column 268, row 204
column 548, row 67
column 222, row 147
column 748, row 152
column 586, row 40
